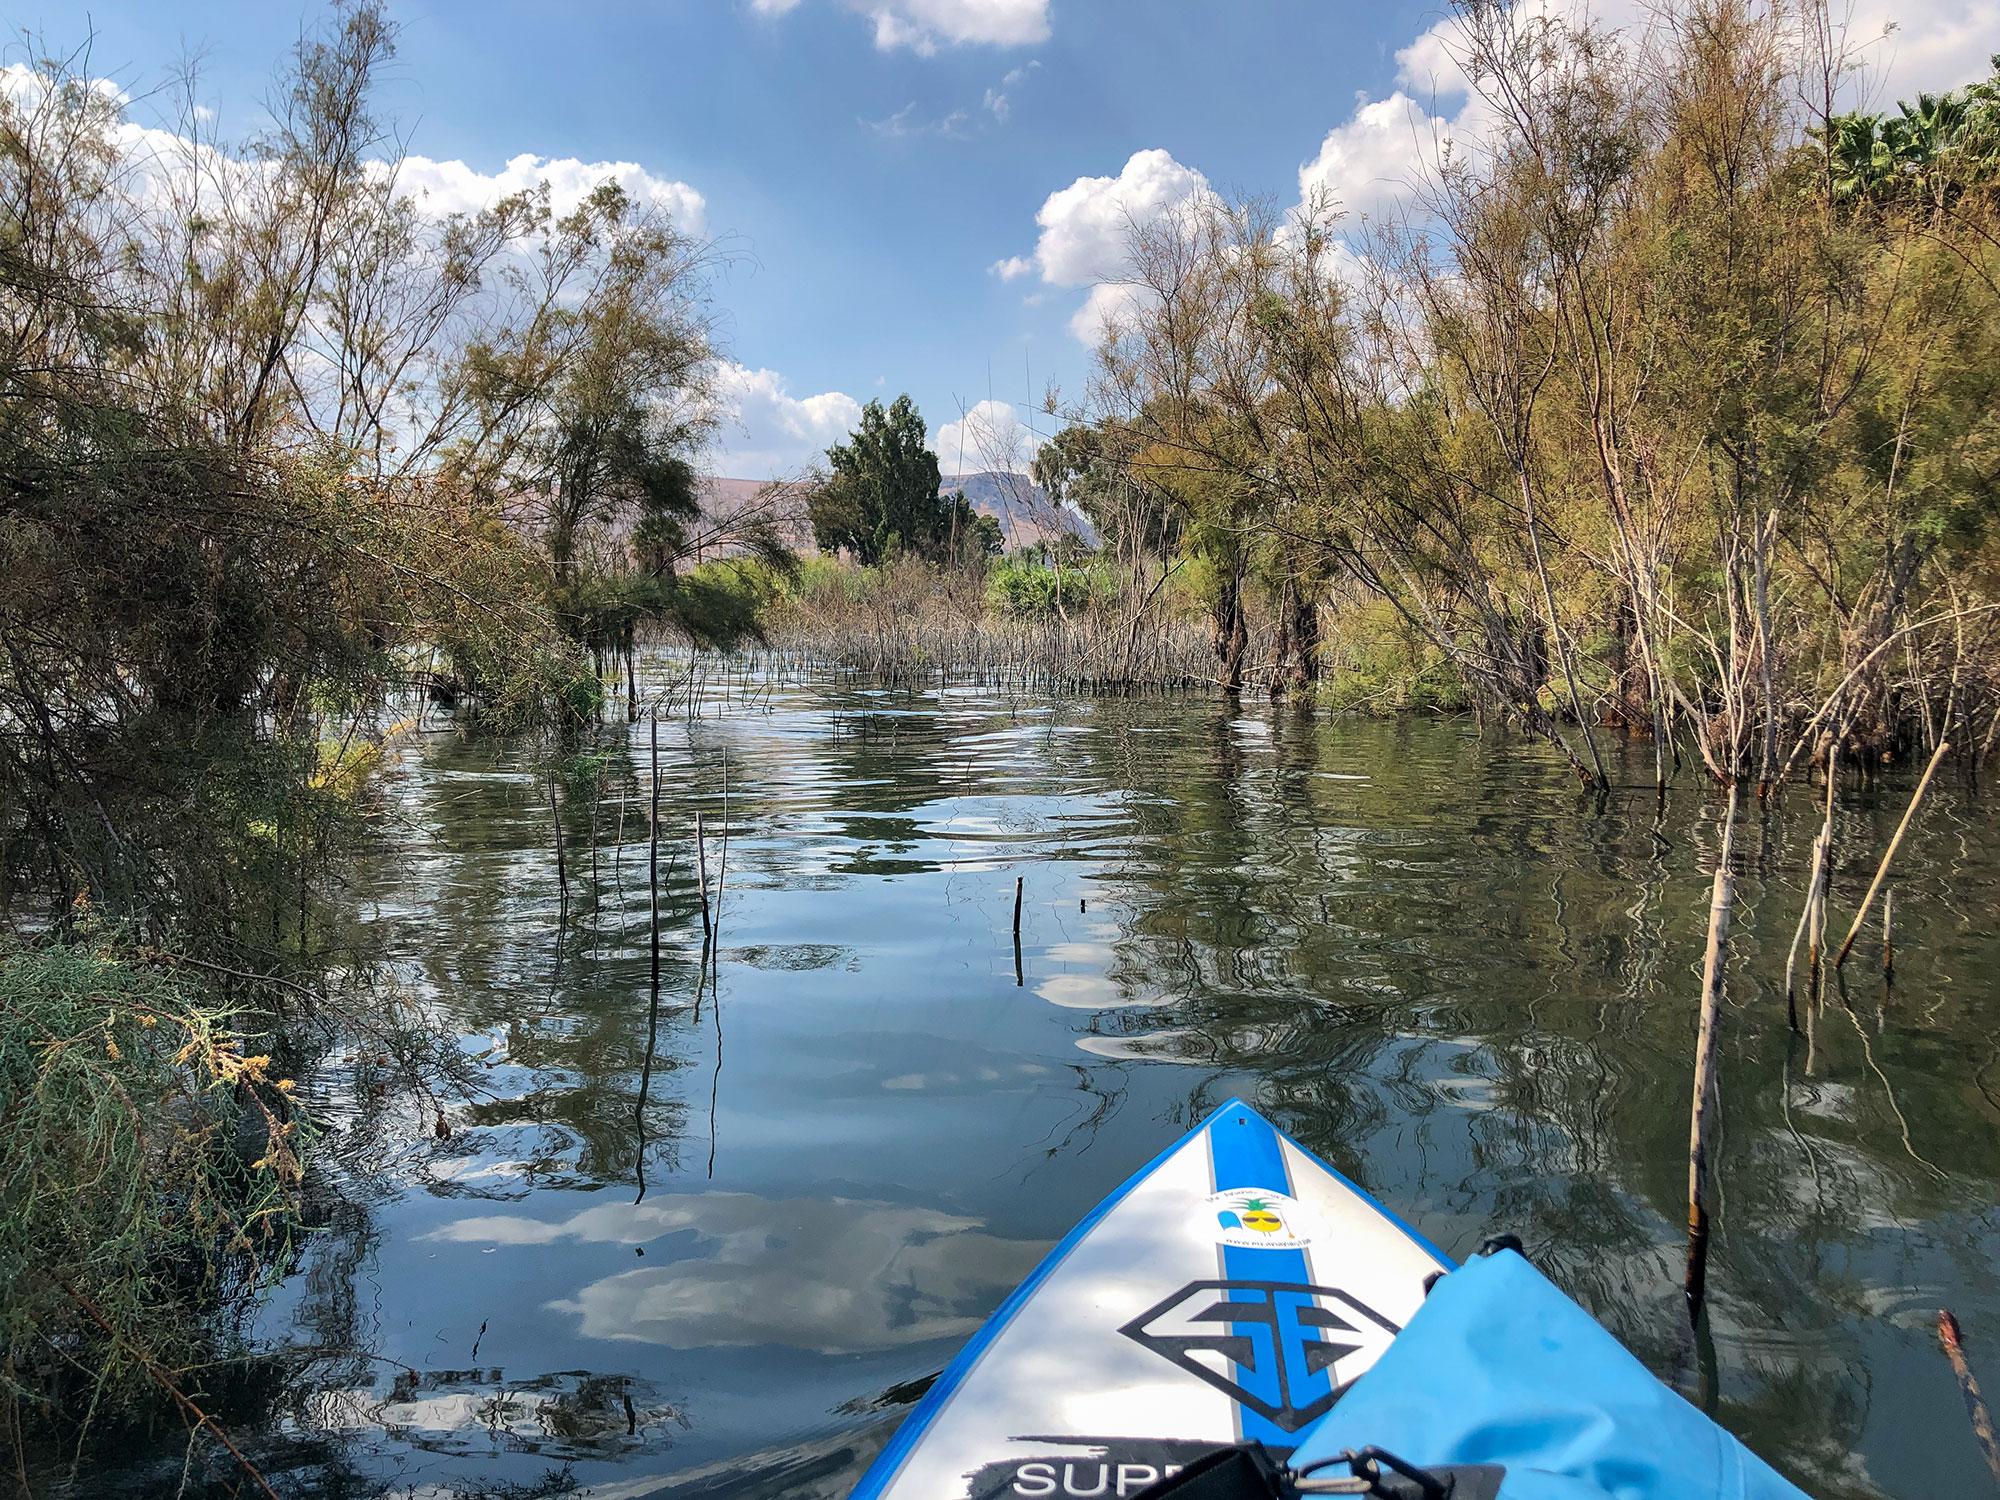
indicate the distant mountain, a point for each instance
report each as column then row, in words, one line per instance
column 1015, row 501
column 782, row 501
column 1021, row 506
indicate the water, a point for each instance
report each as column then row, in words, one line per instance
column 726, row 1264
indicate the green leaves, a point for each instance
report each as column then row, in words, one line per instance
column 882, row 495
column 1930, row 151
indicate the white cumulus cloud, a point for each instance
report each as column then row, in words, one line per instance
column 990, row 437
column 769, row 433
column 1895, row 48
column 1930, row 45
column 1084, row 225
column 921, row 25
column 444, row 187
column 925, row 25
column 1109, row 304
column 1371, row 164
column 1084, row 229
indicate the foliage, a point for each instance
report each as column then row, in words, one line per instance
column 1025, row 586
column 282, row 449
column 910, row 621
column 1375, row 663
column 882, row 496
column 590, row 403
column 182, row 589
column 150, row 1161
column 1089, row 468
column 1667, row 408
column 595, row 397
column 1928, row 151
column 281, row 445
column 979, row 534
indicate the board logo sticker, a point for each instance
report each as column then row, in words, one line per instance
column 1257, row 1218
column 1083, row 1468
column 1283, row 1349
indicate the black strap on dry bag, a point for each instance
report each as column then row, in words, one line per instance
column 1249, row 1471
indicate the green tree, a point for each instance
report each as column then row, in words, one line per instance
column 595, row 398
column 986, row 539
column 882, row 495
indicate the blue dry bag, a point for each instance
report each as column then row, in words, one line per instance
column 1499, row 1367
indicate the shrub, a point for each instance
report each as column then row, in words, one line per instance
column 149, row 1162
column 1025, row 588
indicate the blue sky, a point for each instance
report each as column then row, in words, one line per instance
column 879, row 166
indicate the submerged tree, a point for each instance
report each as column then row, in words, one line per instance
column 1643, row 418
column 279, row 448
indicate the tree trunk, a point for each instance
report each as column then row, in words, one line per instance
column 1281, row 659
column 1304, row 624
column 1231, row 634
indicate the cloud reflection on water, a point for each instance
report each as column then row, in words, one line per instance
column 825, row 1274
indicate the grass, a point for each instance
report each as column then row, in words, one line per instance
column 150, row 1166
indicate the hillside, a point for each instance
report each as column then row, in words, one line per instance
column 1015, row 501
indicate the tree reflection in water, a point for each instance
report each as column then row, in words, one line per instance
column 1417, row 950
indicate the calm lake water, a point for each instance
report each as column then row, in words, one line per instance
column 715, row 1245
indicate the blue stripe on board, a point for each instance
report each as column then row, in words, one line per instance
column 1274, row 1347
column 889, row 1462
column 1245, row 1150
column 1247, row 1154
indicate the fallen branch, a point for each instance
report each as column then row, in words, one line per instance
column 1882, row 872
column 181, row 1398
column 1701, row 1125
column 1975, row 1404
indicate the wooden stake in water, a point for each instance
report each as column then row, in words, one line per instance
column 1805, row 926
column 1816, row 904
column 1020, row 979
column 555, row 818
column 1701, row 1127
column 653, row 913
column 1882, row 872
column 653, row 851
column 1975, row 1403
column 1888, row 936
column 701, row 874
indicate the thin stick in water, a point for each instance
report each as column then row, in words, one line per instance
column 722, row 863
column 1020, row 979
column 1701, row 1127
column 1975, row 1403
column 596, row 813
column 1888, row 936
column 653, row 853
column 701, row 874
column 555, row 818
column 1816, row 902
column 1882, row 873
column 1805, row 924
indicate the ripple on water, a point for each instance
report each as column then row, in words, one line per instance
column 740, row 1217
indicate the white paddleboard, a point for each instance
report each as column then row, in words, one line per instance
column 1231, row 1290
